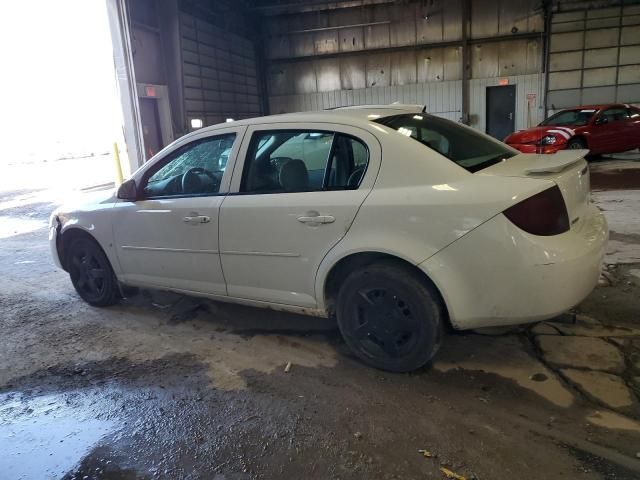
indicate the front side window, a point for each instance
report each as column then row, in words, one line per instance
column 461, row 145
column 282, row 161
column 194, row 169
column 576, row 117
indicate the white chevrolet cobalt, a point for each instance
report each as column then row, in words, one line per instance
column 395, row 221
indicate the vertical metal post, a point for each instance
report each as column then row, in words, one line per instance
column 466, row 15
column 261, row 66
column 547, row 5
column 117, row 164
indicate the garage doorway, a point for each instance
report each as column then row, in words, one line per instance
column 501, row 111
column 150, row 126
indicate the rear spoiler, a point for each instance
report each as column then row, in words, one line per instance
column 557, row 162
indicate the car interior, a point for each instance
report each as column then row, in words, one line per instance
column 195, row 170
column 294, row 161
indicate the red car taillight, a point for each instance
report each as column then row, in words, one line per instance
column 542, row 214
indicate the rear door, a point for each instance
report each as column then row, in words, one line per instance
column 295, row 192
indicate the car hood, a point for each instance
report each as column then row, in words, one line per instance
column 86, row 202
column 535, row 134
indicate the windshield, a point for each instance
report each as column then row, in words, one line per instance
column 571, row 117
column 471, row 150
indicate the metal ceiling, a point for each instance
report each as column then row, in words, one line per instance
column 280, row 7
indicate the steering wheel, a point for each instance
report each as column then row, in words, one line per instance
column 191, row 182
column 355, row 177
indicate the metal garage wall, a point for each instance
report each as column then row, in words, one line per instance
column 443, row 99
column 529, row 100
column 594, row 57
column 516, row 62
column 219, row 72
column 410, row 52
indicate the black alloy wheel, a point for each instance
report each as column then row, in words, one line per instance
column 91, row 273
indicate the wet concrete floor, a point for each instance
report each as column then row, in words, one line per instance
column 163, row 386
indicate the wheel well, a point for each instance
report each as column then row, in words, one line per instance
column 581, row 137
column 345, row 266
column 68, row 237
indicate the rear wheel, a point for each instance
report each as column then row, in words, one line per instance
column 91, row 273
column 390, row 317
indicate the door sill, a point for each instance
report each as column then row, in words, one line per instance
column 313, row 312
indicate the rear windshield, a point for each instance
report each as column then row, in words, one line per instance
column 461, row 145
column 571, row 117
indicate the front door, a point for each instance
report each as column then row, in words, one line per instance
column 296, row 197
column 501, row 111
column 608, row 133
column 169, row 238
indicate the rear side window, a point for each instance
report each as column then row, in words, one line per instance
column 615, row 114
column 471, row 150
column 286, row 161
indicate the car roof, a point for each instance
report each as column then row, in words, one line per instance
column 597, row 107
column 354, row 114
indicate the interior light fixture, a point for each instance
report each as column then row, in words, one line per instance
column 229, row 120
column 196, row 123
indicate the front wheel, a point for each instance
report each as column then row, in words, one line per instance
column 576, row 144
column 91, row 273
column 390, row 317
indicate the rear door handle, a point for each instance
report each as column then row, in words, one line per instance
column 316, row 219
column 196, row 219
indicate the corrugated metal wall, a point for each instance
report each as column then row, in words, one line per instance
column 594, row 57
column 219, row 72
column 410, row 52
column 443, row 98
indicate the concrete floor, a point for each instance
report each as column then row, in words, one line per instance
column 163, row 386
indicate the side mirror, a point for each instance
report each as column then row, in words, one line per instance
column 128, row 191
column 602, row 120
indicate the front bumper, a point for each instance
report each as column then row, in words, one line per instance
column 500, row 275
column 53, row 242
column 534, row 148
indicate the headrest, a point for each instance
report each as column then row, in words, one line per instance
column 294, row 176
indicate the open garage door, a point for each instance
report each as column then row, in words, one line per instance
column 182, row 65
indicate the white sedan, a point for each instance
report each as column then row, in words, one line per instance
column 397, row 222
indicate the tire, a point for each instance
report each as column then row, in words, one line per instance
column 390, row 317
column 576, row 144
column 91, row 273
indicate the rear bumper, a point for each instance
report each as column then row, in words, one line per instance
column 500, row 275
column 533, row 148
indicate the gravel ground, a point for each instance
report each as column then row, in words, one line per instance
column 164, row 386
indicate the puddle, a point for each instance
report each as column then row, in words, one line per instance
column 614, row 421
column 47, row 436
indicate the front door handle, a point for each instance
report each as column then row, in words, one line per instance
column 196, row 219
column 313, row 218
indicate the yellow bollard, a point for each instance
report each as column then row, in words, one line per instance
column 116, row 159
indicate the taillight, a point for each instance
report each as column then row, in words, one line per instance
column 542, row 214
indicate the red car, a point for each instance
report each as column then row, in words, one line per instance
column 600, row 128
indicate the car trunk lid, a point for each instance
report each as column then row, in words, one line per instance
column 567, row 169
